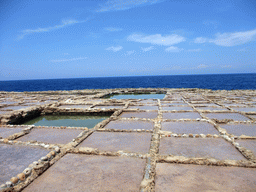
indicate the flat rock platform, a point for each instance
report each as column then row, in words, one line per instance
column 145, row 139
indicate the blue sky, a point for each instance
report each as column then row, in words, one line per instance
column 73, row 39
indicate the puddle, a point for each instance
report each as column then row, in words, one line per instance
column 145, row 107
column 240, row 129
column 189, row 127
column 170, row 108
column 126, row 125
column 185, row 115
column 219, row 116
column 216, row 148
column 53, row 136
column 6, row 132
column 74, row 106
column 16, row 159
column 188, row 178
column 148, row 115
column 72, row 173
column 249, row 144
column 138, row 96
column 115, row 141
column 68, row 121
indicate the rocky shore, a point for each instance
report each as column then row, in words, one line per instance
column 190, row 137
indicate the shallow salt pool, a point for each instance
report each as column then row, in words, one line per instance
column 71, row 121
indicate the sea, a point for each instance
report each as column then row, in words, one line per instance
column 213, row 81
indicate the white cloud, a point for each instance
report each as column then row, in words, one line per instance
column 147, row 48
column 200, row 40
column 114, row 49
column 65, row 60
column 117, row 5
column 157, row 39
column 130, row 52
column 233, row 39
column 112, row 29
column 173, row 49
column 230, row 39
column 47, row 29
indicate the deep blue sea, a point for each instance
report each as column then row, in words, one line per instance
column 214, row 82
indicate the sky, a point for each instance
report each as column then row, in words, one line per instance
column 109, row 38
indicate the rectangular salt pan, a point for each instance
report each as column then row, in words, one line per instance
column 53, row 136
column 75, row 106
column 240, row 129
column 189, row 127
column 138, row 96
column 187, row 178
column 245, row 109
column 14, row 159
column 129, row 125
column 177, row 108
column 115, row 141
column 219, row 116
column 216, row 148
column 185, row 115
column 6, row 132
column 109, row 106
column 15, row 107
column 212, row 108
column 76, row 172
column 248, row 144
column 148, row 115
column 145, row 107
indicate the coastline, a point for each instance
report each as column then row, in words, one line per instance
column 187, row 130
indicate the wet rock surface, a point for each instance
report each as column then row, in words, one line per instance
column 146, row 139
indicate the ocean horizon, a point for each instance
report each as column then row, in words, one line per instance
column 203, row 81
